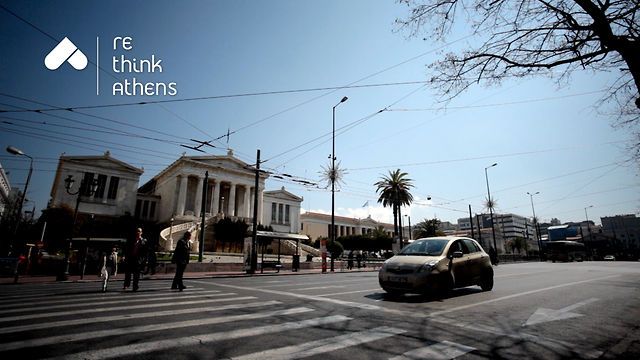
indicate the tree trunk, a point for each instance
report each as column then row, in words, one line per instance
column 401, row 230
column 395, row 220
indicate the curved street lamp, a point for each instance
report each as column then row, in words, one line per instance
column 15, row 151
column 493, row 230
column 88, row 191
column 333, row 182
column 536, row 226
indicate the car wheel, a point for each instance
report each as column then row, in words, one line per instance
column 393, row 292
column 446, row 283
column 486, row 281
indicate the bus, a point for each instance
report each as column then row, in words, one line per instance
column 565, row 251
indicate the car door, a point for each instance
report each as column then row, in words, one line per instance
column 459, row 268
column 475, row 260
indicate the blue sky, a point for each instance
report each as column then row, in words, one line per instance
column 544, row 138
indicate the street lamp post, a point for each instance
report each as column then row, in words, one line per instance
column 535, row 224
column 333, row 178
column 68, row 185
column 588, row 227
column 409, row 218
column 493, row 231
column 16, row 151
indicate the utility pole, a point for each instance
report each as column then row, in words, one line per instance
column 203, row 210
column 471, row 222
column 254, row 239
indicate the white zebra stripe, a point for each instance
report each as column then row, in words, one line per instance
column 146, row 347
column 324, row 345
column 93, row 320
column 118, row 308
column 146, row 328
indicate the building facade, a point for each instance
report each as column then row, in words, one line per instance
column 282, row 211
column 116, row 181
column 317, row 225
column 5, row 189
column 175, row 194
column 229, row 192
column 625, row 228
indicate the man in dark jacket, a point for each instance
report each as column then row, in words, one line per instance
column 135, row 257
column 181, row 259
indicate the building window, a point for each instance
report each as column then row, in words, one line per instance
column 280, row 213
column 102, row 184
column 286, row 214
column 145, row 208
column 152, row 210
column 113, row 187
column 86, row 184
column 274, row 212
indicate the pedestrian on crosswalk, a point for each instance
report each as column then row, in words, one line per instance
column 135, row 257
column 181, row 259
column 109, row 267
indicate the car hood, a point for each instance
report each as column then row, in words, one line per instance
column 411, row 260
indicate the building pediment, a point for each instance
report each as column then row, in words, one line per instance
column 282, row 194
column 105, row 162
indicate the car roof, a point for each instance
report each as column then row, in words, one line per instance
column 448, row 237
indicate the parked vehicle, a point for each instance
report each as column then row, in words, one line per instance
column 609, row 258
column 437, row 264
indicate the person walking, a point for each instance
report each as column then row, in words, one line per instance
column 350, row 260
column 109, row 267
column 135, row 256
column 181, row 259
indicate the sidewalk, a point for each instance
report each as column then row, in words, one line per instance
column 25, row 279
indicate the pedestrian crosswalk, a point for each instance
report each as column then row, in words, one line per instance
column 209, row 322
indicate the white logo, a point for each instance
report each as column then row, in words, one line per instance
column 65, row 51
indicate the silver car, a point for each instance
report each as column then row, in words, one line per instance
column 438, row 263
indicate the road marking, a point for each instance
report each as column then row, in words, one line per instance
column 20, row 299
column 527, row 273
column 524, row 293
column 322, row 287
column 440, row 351
column 545, row 315
column 324, row 345
column 318, row 283
column 146, row 328
column 350, row 292
column 120, row 300
column 93, row 320
column 196, row 340
column 118, row 308
column 544, row 341
column 302, row 296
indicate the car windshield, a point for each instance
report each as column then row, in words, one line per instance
column 433, row 247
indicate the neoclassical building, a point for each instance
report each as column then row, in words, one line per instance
column 115, row 181
column 317, row 225
column 178, row 189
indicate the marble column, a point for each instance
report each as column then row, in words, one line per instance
column 182, row 194
column 251, row 197
column 260, row 206
column 247, row 201
column 232, row 200
column 198, row 199
column 215, row 198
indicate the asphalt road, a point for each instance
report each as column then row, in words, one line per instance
column 535, row 311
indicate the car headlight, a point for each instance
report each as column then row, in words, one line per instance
column 384, row 265
column 427, row 267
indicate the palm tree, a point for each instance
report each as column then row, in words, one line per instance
column 427, row 228
column 394, row 193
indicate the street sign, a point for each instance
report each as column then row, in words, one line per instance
column 40, row 244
